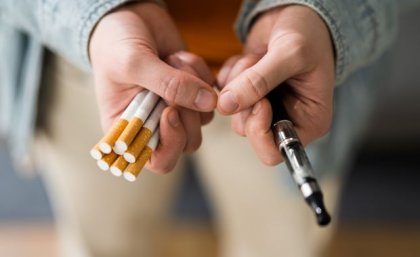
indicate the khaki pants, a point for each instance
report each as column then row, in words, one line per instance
column 100, row 215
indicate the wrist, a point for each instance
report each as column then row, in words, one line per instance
column 130, row 14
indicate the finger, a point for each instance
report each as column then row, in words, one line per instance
column 111, row 107
column 190, row 119
column 206, row 117
column 255, row 82
column 176, row 62
column 239, row 121
column 198, row 64
column 171, row 143
column 186, row 64
column 175, row 86
column 242, row 64
column 192, row 124
column 258, row 130
column 311, row 119
column 225, row 70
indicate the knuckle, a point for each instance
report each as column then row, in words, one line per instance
column 206, row 118
column 125, row 61
column 232, row 60
column 324, row 128
column 319, row 129
column 296, row 46
column 244, row 62
column 324, row 125
column 258, row 84
column 171, row 87
column 196, row 60
column 193, row 145
column 238, row 128
column 254, row 130
column 270, row 160
column 161, row 169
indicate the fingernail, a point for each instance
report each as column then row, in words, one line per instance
column 215, row 84
column 228, row 102
column 256, row 108
column 182, row 54
column 173, row 118
column 175, row 61
column 261, row 50
column 222, row 76
column 204, row 100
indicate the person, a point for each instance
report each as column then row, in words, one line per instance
column 309, row 44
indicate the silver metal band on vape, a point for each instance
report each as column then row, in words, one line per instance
column 295, row 157
column 299, row 166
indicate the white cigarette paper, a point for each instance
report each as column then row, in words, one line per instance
column 146, row 107
column 136, row 122
column 134, row 169
column 145, row 134
column 134, row 105
column 109, row 139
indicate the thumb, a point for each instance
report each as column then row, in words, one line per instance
column 255, row 82
column 177, row 87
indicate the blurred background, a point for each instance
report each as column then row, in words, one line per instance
column 379, row 212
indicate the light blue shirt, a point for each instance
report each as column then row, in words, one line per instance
column 361, row 30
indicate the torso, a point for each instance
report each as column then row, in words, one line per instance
column 207, row 27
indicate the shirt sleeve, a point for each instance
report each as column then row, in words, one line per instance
column 64, row 26
column 361, row 29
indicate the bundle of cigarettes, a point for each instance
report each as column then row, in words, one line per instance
column 130, row 142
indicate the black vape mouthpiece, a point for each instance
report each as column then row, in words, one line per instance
column 317, row 204
column 295, row 156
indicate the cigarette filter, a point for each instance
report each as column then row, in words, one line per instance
column 96, row 152
column 134, row 169
column 145, row 134
column 106, row 161
column 106, row 143
column 118, row 166
column 131, row 130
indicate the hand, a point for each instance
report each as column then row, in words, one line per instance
column 126, row 50
column 180, row 128
column 287, row 44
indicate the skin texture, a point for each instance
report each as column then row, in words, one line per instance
column 126, row 51
column 287, row 44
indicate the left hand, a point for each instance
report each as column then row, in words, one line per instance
column 288, row 44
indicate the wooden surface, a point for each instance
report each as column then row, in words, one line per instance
column 376, row 240
column 198, row 239
column 27, row 240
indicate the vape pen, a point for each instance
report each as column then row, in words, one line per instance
column 295, row 157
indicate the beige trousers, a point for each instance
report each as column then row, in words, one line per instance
column 100, row 215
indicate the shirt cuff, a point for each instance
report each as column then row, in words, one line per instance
column 92, row 16
column 360, row 31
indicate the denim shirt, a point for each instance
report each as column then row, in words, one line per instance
column 361, row 31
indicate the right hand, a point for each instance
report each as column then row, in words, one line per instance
column 287, row 45
column 126, row 49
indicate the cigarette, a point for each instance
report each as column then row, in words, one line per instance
column 96, row 152
column 131, row 130
column 106, row 161
column 145, row 134
column 106, row 143
column 118, row 166
column 134, row 169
